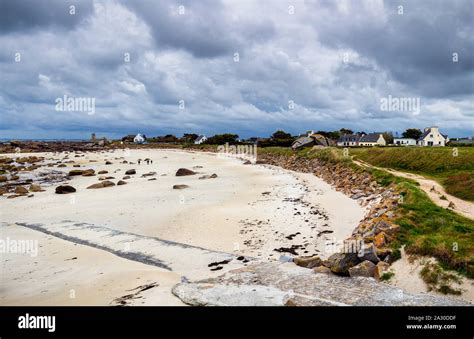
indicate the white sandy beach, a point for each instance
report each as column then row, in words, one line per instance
column 249, row 210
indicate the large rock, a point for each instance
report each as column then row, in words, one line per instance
column 121, row 182
column 386, row 227
column 364, row 269
column 85, row 173
column 36, row 188
column 105, row 183
column 380, row 239
column 308, row 262
column 322, row 269
column 281, row 284
column 75, row 172
column 88, row 173
column 184, row 171
column 339, row 263
column 3, row 178
column 130, row 172
column 20, row 190
column 65, row 189
column 370, row 253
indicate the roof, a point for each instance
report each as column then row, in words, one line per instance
column 349, row 137
column 425, row 133
column 200, row 137
column 428, row 131
column 371, row 137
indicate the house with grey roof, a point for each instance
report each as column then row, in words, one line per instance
column 372, row 139
column 349, row 140
column 200, row 139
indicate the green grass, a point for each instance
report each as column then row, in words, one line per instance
column 439, row 280
column 425, row 228
column 387, row 276
column 452, row 167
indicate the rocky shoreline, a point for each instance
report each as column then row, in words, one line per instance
column 28, row 146
column 367, row 252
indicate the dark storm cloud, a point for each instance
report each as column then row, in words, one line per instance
column 416, row 47
column 17, row 15
column 203, row 28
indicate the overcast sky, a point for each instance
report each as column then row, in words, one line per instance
column 241, row 66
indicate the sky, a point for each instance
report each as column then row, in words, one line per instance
column 237, row 66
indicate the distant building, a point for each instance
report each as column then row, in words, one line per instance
column 93, row 138
column 349, row 140
column 372, row 139
column 139, row 139
column 404, row 141
column 200, row 139
column 465, row 140
column 432, row 137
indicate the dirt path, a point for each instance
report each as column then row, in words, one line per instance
column 434, row 190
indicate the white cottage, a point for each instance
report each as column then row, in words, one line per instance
column 200, row 139
column 432, row 137
column 372, row 139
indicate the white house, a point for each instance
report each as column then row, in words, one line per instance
column 372, row 139
column 432, row 137
column 404, row 141
column 200, row 139
column 349, row 140
column 139, row 139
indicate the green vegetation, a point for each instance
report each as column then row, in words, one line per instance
column 451, row 167
column 439, row 280
column 425, row 228
column 413, row 133
column 387, row 276
column 428, row 229
column 460, row 185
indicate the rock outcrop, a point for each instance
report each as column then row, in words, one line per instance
column 281, row 284
column 65, row 189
